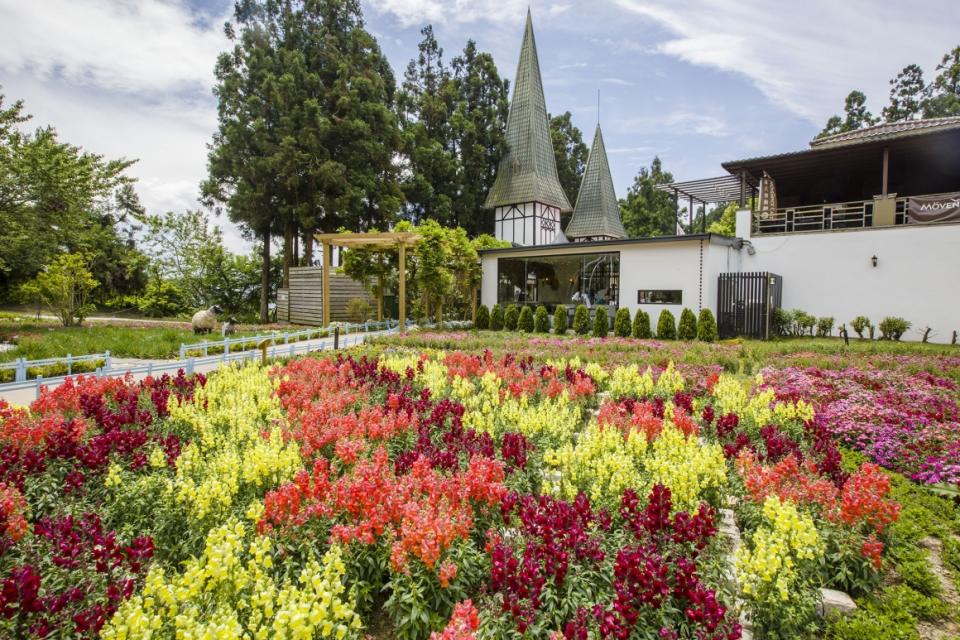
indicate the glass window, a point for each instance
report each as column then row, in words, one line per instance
column 660, row 296
column 592, row 279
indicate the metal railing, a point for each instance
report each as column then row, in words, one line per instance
column 21, row 366
column 279, row 345
column 857, row 214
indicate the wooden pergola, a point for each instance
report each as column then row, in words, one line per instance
column 376, row 241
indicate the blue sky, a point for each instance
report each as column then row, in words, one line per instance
column 693, row 81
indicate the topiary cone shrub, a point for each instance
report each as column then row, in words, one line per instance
column 525, row 321
column 706, row 326
column 621, row 323
column 541, row 320
column 510, row 317
column 496, row 318
column 601, row 322
column 641, row 325
column 581, row 320
column 560, row 320
column 666, row 326
column 483, row 318
column 687, row 329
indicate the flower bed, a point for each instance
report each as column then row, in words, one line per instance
column 446, row 495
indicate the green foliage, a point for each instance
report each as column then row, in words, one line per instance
column 581, row 320
column 64, row 287
column 359, row 310
column 560, row 320
column 825, row 327
column 893, row 328
column 687, row 327
column 570, row 153
column 511, row 317
column 855, row 116
column 162, row 299
column 621, row 323
column 525, row 320
column 666, row 326
column 601, row 322
column 641, row 325
column 860, row 324
column 706, row 326
column 875, row 621
column 794, row 322
column 648, row 211
column 726, row 223
column 541, row 320
column 483, row 318
column 496, row 318
column 433, row 275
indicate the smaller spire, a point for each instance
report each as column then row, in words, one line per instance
column 597, row 212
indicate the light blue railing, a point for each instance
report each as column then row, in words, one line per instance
column 21, row 366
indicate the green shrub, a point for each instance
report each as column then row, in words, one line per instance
column 581, row 320
column 893, row 328
column 560, row 320
column 782, row 322
column 860, row 324
column 358, row 310
column 161, row 300
column 825, row 327
column 541, row 320
column 525, row 321
column 621, row 323
column 601, row 322
column 641, row 325
column 510, row 317
column 496, row 318
column 483, row 318
column 706, row 326
column 687, row 328
column 666, row 326
column 803, row 323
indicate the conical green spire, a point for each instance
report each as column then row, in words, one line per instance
column 528, row 169
column 597, row 214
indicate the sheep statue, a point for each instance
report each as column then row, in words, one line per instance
column 205, row 321
column 229, row 327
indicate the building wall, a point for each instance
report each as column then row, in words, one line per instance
column 831, row 273
column 661, row 265
column 529, row 223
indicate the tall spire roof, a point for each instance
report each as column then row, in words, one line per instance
column 597, row 213
column 528, row 169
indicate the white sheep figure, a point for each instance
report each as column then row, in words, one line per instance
column 205, row 321
column 229, row 327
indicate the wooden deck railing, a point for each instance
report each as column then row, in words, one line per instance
column 857, row 214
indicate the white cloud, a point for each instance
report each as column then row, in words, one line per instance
column 411, row 13
column 806, row 56
column 617, row 81
column 677, row 121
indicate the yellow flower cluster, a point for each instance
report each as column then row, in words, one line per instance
column 236, row 444
column 669, row 382
column 628, row 381
column 773, row 568
column 230, row 593
column 693, row 470
column 731, row 395
column 603, row 463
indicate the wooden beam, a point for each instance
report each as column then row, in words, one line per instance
column 886, row 170
column 325, row 283
column 743, row 188
column 402, row 294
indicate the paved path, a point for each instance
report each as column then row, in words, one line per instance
column 119, row 366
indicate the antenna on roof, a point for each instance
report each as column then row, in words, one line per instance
column 598, row 106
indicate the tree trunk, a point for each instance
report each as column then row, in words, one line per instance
column 440, row 311
column 307, row 248
column 265, row 279
column 473, row 303
column 380, row 298
column 287, row 254
column 296, row 249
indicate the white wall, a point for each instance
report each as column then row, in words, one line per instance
column 917, row 275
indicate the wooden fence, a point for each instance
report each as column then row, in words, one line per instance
column 304, row 297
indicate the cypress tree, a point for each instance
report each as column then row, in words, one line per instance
column 541, row 320
column 525, row 321
column 621, row 323
column 496, row 318
column 687, row 329
column 666, row 326
column 601, row 322
column 581, row 320
column 706, row 326
column 483, row 318
column 510, row 317
column 641, row 325
column 560, row 320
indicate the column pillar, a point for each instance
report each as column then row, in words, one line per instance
column 402, row 293
column 325, row 283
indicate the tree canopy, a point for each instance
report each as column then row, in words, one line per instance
column 646, row 210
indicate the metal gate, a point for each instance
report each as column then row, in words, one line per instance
column 746, row 303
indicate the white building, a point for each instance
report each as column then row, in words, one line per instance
column 861, row 223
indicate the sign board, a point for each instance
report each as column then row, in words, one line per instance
column 939, row 208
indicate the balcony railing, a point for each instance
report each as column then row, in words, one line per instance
column 857, row 214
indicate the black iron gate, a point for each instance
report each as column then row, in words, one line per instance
column 746, row 303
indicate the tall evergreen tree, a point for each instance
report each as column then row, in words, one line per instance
column 906, row 95
column 571, row 154
column 943, row 94
column 425, row 106
column 479, row 124
column 855, row 116
column 646, row 210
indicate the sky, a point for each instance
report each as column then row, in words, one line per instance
column 696, row 82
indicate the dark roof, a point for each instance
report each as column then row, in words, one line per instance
column 597, row 213
column 528, row 169
column 709, row 237
column 707, row 190
column 887, row 131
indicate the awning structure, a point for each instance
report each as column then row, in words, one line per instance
column 375, row 241
column 722, row 189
